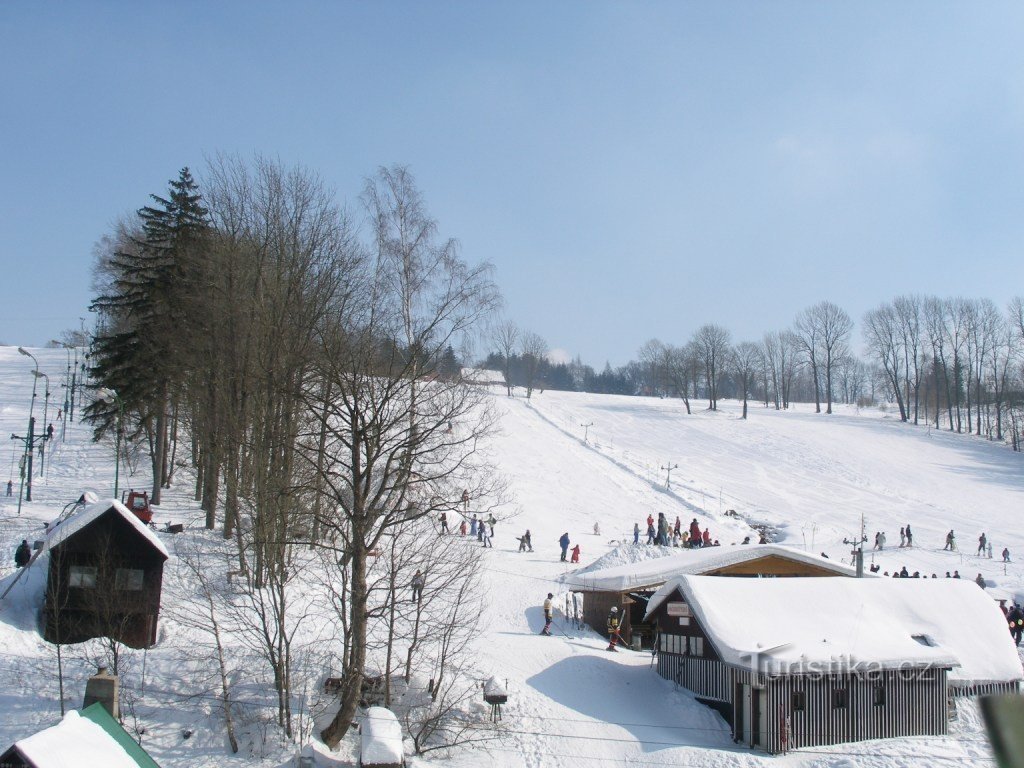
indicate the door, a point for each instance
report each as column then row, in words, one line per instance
column 757, row 717
column 737, row 713
column 745, row 702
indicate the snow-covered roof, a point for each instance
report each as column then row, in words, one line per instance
column 823, row 625
column 77, row 741
column 380, row 738
column 483, row 376
column 656, row 571
column 75, row 522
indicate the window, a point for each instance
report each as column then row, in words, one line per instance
column 798, row 701
column 878, row 695
column 82, row 576
column 128, row 579
column 696, row 646
column 840, row 698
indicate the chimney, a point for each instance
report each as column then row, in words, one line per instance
column 102, row 687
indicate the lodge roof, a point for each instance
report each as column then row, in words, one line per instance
column 76, row 521
column 785, row 626
column 656, row 571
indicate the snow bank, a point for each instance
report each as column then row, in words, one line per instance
column 381, row 738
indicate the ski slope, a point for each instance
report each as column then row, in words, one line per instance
column 571, row 703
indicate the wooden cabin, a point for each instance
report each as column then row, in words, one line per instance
column 104, row 578
column 630, row 586
column 89, row 737
column 804, row 662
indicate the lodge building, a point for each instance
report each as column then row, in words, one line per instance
column 793, row 663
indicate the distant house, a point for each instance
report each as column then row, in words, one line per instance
column 630, row 586
column 803, row 662
column 104, row 579
column 89, row 737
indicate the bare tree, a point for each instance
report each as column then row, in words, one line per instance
column 824, row 332
column 534, row 349
column 882, row 331
column 711, row 344
column 506, row 336
column 746, row 360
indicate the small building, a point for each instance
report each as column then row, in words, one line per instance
column 104, row 579
column 90, row 737
column 630, row 586
column 793, row 663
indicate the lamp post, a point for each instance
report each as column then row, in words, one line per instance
column 111, row 397
column 68, row 390
column 26, row 487
column 45, row 435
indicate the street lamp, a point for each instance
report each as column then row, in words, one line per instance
column 26, row 489
column 46, row 433
column 110, row 397
column 68, row 386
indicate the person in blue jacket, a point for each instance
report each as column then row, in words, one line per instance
column 563, row 542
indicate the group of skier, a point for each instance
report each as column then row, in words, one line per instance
column 668, row 535
column 906, row 538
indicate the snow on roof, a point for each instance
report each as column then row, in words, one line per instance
column 74, row 741
column 822, row 625
column 75, row 522
column 656, row 571
column 483, row 376
column 381, row 738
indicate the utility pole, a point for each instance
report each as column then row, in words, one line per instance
column 858, row 548
column 668, row 476
column 586, row 429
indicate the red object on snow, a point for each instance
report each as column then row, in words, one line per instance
column 138, row 503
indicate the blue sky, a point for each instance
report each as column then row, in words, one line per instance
column 632, row 170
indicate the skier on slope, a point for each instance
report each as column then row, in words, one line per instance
column 563, row 542
column 982, row 543
column 549, row 607
column 575, row 554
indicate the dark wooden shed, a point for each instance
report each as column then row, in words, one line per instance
column 104, row 579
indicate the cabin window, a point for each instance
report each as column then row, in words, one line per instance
column 878, row 696
column 696, row 646
column 798, row 701
column 128, row 579
column 82, row 576
column 840, row 698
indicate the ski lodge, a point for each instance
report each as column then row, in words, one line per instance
column 794, row 663
column 630, row 586
column 105, row 576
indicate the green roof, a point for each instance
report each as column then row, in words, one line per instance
column 99, row 715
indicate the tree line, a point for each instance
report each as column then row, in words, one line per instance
column 955, row 363
column 301, row 359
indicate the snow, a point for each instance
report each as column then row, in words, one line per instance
column 836, row 625
column 79, row 519
column 655, row 572
column 381, row 738
column 809, row 477
column 75, row 742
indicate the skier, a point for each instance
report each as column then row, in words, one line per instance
column 903, row 538
column 982, row 542
column 10, row 487
column 22, row 554
column 487, row 537
column 465, row 500
column 462, row 528
column 881, row 540
column 990, row 550
column 613, row 628
column 636, row 532
column 49, row 432
column 417, row 586
column 950, row 542
column 491, row 521
column 522, row 543
column 650, row 520
column 444, row 522
column 877, row 536
column 548, row 609
column 472, row 526
column 980, row 581
column 1006, row 555
column 706, row 538
column 678, row 526
column 694, row 533
column 650, row 532
column 956, row 574
column 575, row 554
column 910, row 536
column 597, row 529
column 563, row 542
column 1016, row 621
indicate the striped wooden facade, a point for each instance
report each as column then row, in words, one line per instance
column 789, row 711
column 985, row 689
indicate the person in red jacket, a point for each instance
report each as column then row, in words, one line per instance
column 706, row 538
column 575, row 554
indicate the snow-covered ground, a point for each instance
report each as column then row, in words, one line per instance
column 809, row 476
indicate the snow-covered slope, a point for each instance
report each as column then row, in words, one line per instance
column 808, row 476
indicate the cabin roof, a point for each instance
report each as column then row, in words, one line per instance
column 75, row 522
column 658, row 570
column 87, row 739
column 827, row 625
